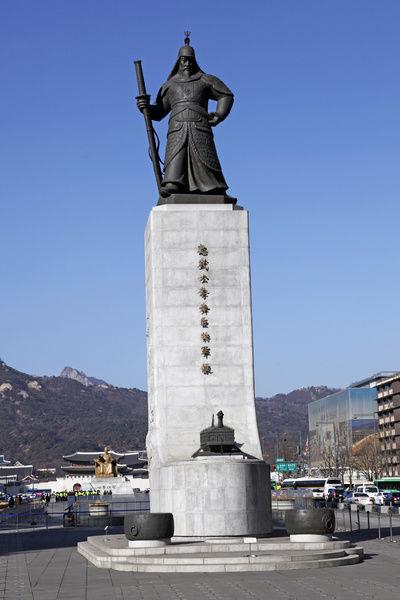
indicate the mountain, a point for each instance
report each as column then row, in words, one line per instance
column 70, row 373
column 43, row 418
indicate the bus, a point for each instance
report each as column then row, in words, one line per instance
column 318, row 485
column 388, row 484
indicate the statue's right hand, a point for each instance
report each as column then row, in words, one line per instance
column 142, row 102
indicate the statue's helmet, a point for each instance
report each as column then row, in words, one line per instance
column 188, row 51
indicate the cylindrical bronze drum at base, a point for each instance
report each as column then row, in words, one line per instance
column 320, row 521
column 148, row 526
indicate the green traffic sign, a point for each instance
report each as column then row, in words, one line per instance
column 286, row 466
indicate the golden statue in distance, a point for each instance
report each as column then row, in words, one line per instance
column 106, row 465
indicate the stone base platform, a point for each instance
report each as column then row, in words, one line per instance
column 113, row 552
column 214, row 496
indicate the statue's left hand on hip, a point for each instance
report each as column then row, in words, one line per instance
column 214, row 119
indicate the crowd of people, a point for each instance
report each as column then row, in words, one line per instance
column 47, row 497
column 19, row 499
column 63, row 496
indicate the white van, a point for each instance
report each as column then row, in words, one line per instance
column 331, row 483
column 368, row 488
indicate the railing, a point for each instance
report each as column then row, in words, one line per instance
column 12, row 517
column 76, row 515
column 355, row 518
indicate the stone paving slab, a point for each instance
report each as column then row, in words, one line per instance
column 42, row 565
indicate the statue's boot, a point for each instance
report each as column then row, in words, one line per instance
column 170, row 188
column 222, row 192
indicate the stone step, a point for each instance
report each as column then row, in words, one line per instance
column 218, row 561
column 117, row 545
column 180, row 565
column 233, row 558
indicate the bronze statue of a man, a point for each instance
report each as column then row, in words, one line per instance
column 106, row 465
column 191, row 162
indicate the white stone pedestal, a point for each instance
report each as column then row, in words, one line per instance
column 214, row 496
column 200, row 353
column 117, row 485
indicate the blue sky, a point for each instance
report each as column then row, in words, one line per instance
column 311, row 148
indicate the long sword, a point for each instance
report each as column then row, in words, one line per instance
column 149, row 125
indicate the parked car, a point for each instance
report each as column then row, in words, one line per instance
column 334, row 495
column 348, row 497
column 318, row 493
column 340, row 492
column 362, row 499
column 394, row 499
column 370, row 489
column 331, row 483
column 329, row 496
column 382, row 498
column 333, row 492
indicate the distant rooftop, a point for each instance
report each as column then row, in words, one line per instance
column 390, row 379
column 132, row 456
column 374, row 380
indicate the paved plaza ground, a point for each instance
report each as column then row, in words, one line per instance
column 44, row 565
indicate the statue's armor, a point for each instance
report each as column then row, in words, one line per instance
column 187, row 101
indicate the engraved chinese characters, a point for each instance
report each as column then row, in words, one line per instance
column 204, row 309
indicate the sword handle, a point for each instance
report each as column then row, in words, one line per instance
column 140, row 78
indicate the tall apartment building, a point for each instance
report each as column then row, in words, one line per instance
column 388, row 400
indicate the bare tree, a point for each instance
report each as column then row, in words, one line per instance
column 345, row 456
column 336, row 457
column 327, row 453
column 368, row 458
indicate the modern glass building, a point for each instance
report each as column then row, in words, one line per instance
column 340, row 421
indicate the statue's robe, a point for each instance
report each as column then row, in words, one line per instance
column 191, row 159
